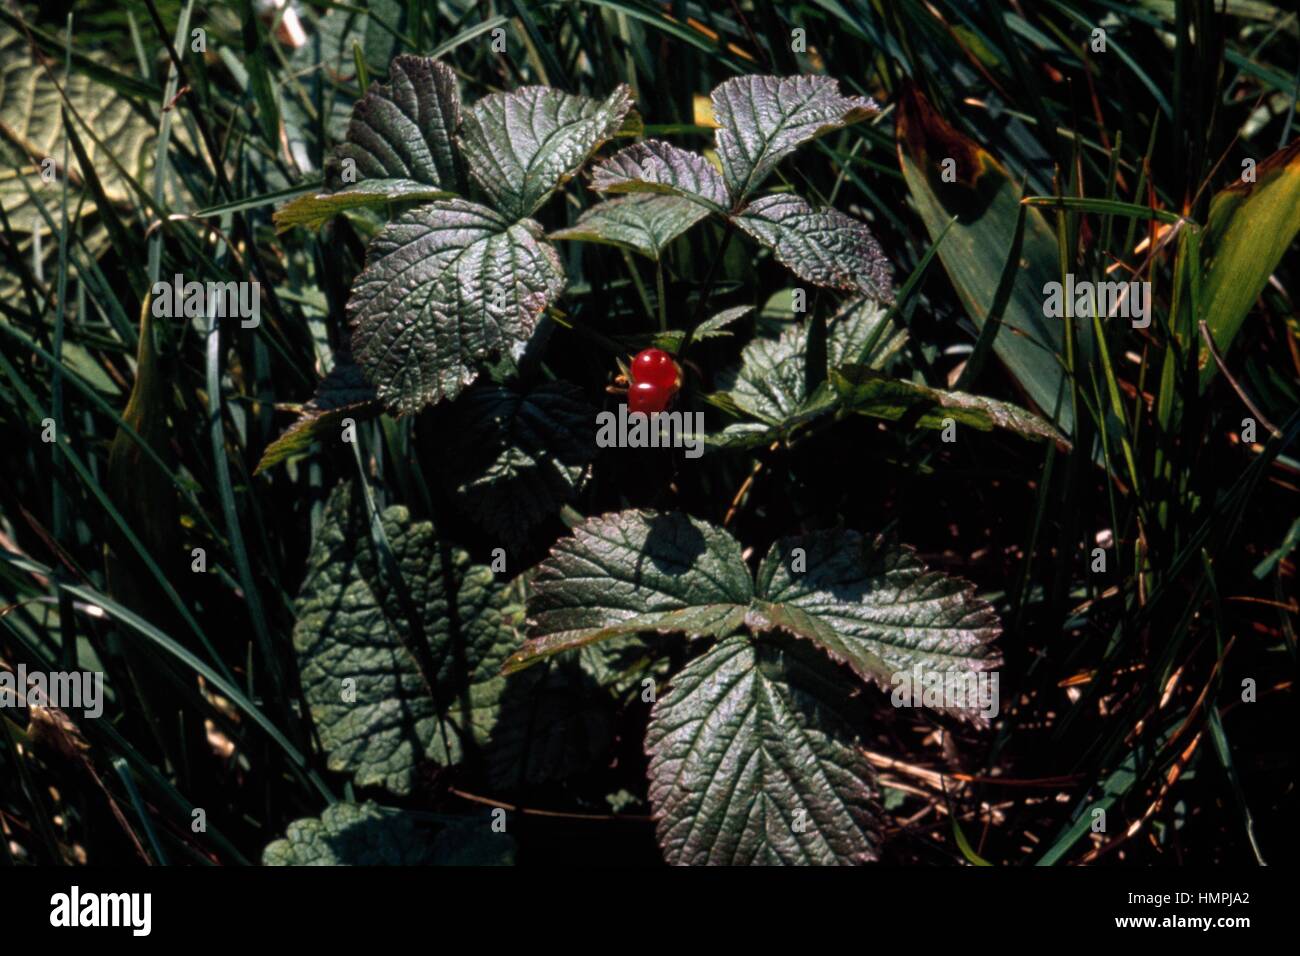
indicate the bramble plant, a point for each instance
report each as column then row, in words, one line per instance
column 617, row 431
column 755, row 752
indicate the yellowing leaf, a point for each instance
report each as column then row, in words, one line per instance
column 1250, row 226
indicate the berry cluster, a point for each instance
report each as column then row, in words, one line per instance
column 655, row 380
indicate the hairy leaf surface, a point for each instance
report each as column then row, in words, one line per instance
column 399, row 146
column 869, row 604
column 405, row 128
column 640, row 223
column 521, row 145
column 447, row 286
column 763, row 119
column 824, row 247
column 400, row 661
column 658, row 167
column 633, row 571
column 753, row 760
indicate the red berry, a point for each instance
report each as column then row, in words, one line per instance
column 656, row 367
column 647, row 397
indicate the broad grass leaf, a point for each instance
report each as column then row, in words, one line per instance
column 32, row 132
column 1249, row 228
column 986, row 201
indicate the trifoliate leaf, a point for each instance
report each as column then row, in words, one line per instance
column 754, row 760
column 351, row 834
column 875, row 607
column 399, row 146
column 763, row 119
column 824, row 247
column 658, row 167
column 514, row 458
column 868, row 392
column 447, row 286
column 521, row 145
column 641, row 223
column 400, row 660
column 635, row 571
column 343, row 393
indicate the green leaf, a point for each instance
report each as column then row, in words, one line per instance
column 657, row 167
column 397, row 672
column 521, row 145
column 763, row 119
column 399, row 146
column 404, row 129
column 640, row 223
column 754, row 760
column 716, row 326
column 860, row 331
column 447, row 286
column 824, row 247
column 514, row 458
column 1249, row 228
column 875, row 607
column 868, row 392
column 365, row 834
column 313, row 210
column 986, row 201
column 343, row 393
column 351, row 834
column 771, row 385
column 635, row 571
